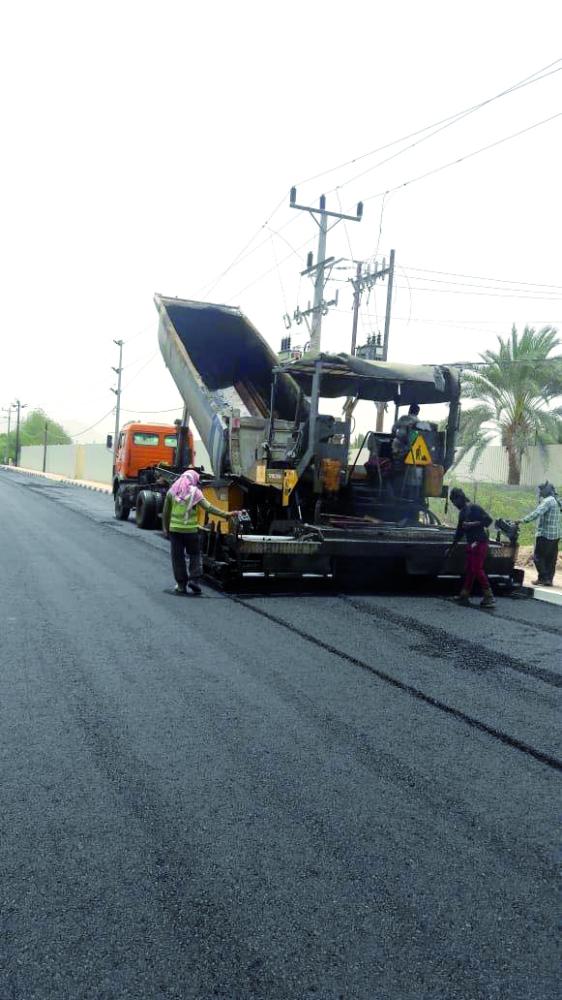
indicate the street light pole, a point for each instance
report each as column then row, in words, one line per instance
column 45, row 446
column 8, row 410
column 19, row 406
column 117, row 392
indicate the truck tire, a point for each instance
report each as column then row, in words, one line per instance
column 122, row 508
column 146, row 514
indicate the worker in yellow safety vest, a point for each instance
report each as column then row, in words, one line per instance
column 180, row 523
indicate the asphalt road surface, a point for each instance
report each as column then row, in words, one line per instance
column 277, row 797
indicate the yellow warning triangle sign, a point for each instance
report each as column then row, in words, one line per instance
column 418, row 453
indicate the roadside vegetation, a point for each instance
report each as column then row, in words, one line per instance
column 500, row 500
column 515, row 389
column 32, row 431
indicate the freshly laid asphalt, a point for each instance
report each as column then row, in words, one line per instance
column 283, row 796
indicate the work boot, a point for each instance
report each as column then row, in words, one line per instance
column 194, row 587
column 463, row 599
column 488, row 601
column 180, row 589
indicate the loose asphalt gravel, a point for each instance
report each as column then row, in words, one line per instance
column 284, row 797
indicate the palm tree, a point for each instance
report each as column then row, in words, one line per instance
column 516, row 387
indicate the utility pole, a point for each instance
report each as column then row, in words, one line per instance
column 319, row 307
column 366, row 280
column 8, row 410
column 388, row 306
column 184, row 453
column 357, row 289
column 45, row 446
column 117, row 392
column 380, row 406
column 19, row 406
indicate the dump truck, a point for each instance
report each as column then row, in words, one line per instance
column 279, row 454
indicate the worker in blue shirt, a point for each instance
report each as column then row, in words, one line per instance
column 547, row 537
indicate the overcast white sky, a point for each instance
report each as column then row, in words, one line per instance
column 145, row 144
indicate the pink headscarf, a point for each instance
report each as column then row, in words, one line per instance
column 186, row 490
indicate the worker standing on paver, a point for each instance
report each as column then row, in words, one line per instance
column 473, row 524
column 179, row 519
column 547, row 537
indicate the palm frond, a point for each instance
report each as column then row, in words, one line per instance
column 479, row 447
column 518, row 383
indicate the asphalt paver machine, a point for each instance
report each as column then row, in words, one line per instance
column 279, row 453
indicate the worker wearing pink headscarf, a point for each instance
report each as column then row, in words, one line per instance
column 180, row 523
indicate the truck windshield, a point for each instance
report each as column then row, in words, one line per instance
column 171, row 441
column 146, row 439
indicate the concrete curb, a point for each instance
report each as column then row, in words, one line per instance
column 548, row 595
column 85, row 485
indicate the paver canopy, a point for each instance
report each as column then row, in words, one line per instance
column 380, row 381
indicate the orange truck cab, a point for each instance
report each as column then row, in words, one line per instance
column 141, row 446
column 142, row 450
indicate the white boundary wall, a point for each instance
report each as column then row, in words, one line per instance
column 492, row 466
column 92, row 462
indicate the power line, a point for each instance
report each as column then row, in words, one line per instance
column 460, row 159
column 480, row 277
column 414, row 180
column 138, row 361
column 470, row 326
column 144, row 329
column 91, row 427
column 283, row 296
column 270, row 269
column 264, row 242
column 245, row 252
column 467, row 326
column 452, row 121
column 109, row 412
column 443, row 121
column 286, row 241
column 495, row 294
column 240, row 256
column 139, row 409
column 456, row 322
column 136, row 375
column 534, row 290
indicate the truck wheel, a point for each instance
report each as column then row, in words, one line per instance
column 122, row 508
column 146, row 514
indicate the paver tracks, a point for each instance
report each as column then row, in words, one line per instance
column 434, row 633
